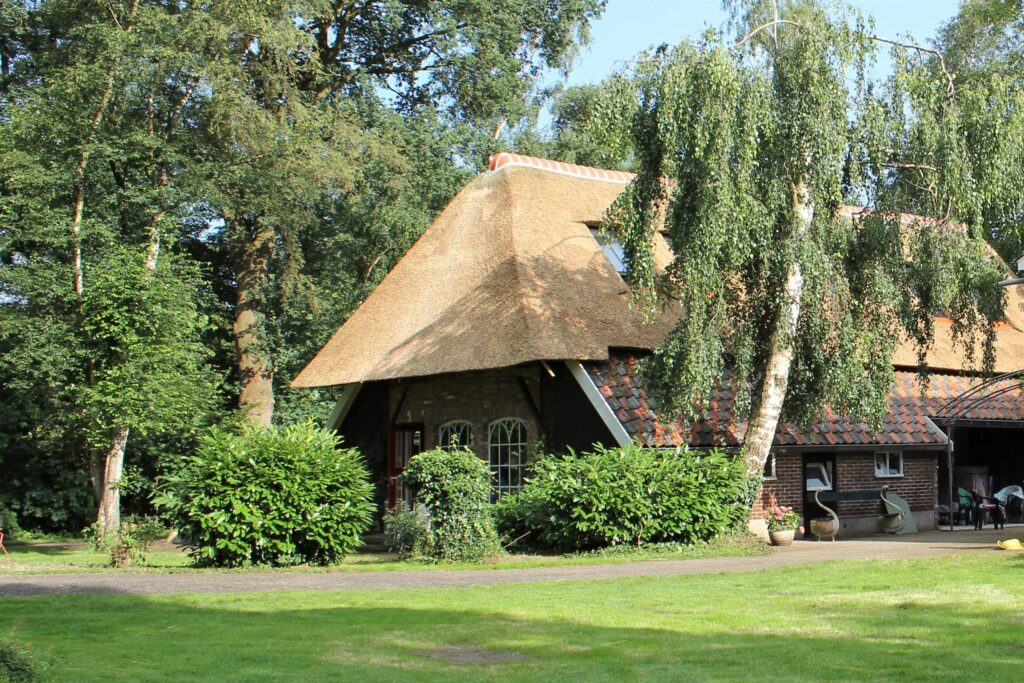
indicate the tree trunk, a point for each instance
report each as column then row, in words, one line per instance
column 109, row 514
column 764, row 419
column 96, row 475
column 255, row 372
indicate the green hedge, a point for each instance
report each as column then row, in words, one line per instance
column 630, row 495
column 270, row 496
column 455, row 488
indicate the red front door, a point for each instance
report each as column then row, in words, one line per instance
column 406, row 440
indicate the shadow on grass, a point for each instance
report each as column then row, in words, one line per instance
column 56, row 549
column 630, row 630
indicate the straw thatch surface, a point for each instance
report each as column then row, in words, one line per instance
column 509, row 273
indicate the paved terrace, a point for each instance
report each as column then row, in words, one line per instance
column 918, row 546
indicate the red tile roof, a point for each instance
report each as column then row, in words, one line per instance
column 906, row 425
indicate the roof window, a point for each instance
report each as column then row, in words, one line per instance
column 612, row 249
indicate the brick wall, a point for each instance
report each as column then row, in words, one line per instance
column 787, row 485
column 919, row 484
column 478, row 397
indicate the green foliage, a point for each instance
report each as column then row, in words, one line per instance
column 186, row 132
column 407, row 531
column 782, row 518
column 763, row 138
column 17, row 665
column 982, row 48
column 270, row 496
column 130, row 542
column 455, row 487
column 628, row 495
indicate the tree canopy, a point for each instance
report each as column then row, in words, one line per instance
column 193, row 196
column 752, row 148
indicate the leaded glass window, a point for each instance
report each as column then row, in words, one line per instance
column 506, row 445
column 455, row 434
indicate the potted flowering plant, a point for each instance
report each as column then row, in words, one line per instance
column 783, row 522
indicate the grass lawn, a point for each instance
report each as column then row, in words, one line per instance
column 75, row 557
column 955, row 618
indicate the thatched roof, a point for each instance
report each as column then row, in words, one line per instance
column 509, row 273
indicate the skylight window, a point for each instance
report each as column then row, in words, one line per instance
column 612, row 249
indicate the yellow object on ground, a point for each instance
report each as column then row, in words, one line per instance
column 1012, row 544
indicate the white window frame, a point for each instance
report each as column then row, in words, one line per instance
column 507, row 440
column 774, row 473
column 829, row 484
column 452, row 428
column 612, row 248
column 888, row 455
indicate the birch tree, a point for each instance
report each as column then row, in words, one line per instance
column 752, row 148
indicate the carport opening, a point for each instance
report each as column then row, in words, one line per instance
column 986, row 459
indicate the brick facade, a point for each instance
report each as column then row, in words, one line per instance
column 919, row 484
column 855, row 471
column 482, row 397
column 787, row 487
column 477, row 397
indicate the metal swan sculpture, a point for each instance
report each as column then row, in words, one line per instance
column 825, row 527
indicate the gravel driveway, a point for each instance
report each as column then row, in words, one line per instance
column 924, row 545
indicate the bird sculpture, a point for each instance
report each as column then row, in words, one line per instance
column 825, row 526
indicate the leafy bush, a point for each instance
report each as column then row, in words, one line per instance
column 130, row 543
column 9, row 524
column 270, row 496
column 406, row 531
column 625, row 495
column 16, row 664
column 455, row 487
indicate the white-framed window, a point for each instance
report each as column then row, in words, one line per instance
column 612, row 249
column 506, row 452
column 769, row 468
column 818, row 476
column 456, row 434
column 888, row 464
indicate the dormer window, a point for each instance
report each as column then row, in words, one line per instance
column 612, row 249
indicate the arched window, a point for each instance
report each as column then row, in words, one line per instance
column 506, row 450
column 457, row 433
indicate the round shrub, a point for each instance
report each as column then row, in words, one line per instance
column 631, row 495
column 455, row 488
column 270, row 496
column 16, row 663
column 406, row 531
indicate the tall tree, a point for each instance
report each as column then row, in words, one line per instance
column 289, row 124
column 750, row 149
column 93, row 140
column 982, row 46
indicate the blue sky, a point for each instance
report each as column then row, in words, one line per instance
column 629, row 26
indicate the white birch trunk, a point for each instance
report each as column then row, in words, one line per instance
column 764, row 420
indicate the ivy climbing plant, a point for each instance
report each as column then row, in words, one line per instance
column 782, row 175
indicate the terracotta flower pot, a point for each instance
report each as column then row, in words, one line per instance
column 782, row 537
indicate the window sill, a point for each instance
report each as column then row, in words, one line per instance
column 888, row 476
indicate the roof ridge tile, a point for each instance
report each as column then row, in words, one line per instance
column 506, row 159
